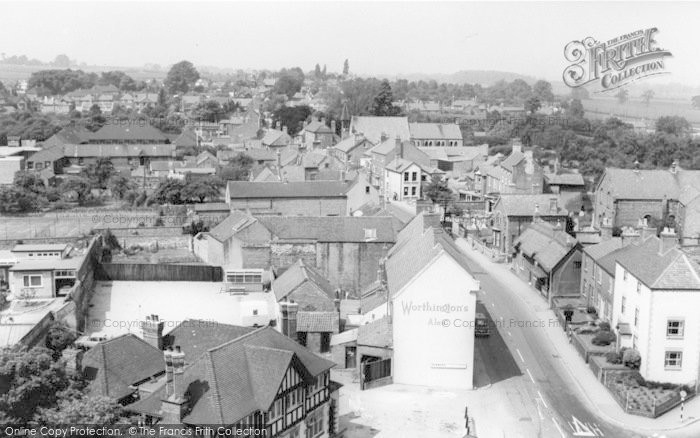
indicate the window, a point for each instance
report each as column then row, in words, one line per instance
column 30, row 165
column 366, row 189
column 622, row 307
column 636, row 317
column 39, row 166
column 315, row 425
column 276, row 409
column 674, row 328
column 405, row 191
column 639, row 286
column 32, row 281
column 577, row 265
column 673, row 360
column 81, row 161
column 370, row 233
column 599, row 275
column 405, row 176
column 624, row 274
column 243, row 277
column 414, row 176
column 413, row 191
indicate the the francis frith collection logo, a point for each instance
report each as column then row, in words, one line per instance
column 607, row 65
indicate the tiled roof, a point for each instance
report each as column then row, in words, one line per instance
column 350, row 143
column 514, row 158
column 312, row 159
column 547, row 245
column 260, row 154
column 317, row 126
column 118, row 150
column 186, row 139
column 130, row 132
column 318, row 321
column 300, row 189
column 237, row 378
column 565, row 179
column 600, row 250
column 329, row 228
column 649, row 184
column 112, row 366
column 399, row 165
column 196, row 336
column 446, row 131
column 274, row 137
column 373, row 127
column 670, row 270
column 524, row 205
column 230, row 226
column 300, row 274
column 377, row 333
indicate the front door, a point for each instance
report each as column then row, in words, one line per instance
column 350, row 357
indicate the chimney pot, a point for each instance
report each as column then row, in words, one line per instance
column 667, row 240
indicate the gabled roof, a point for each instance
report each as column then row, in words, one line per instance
column 602, row 249
column 297, row 189
column 545, row 244
column 300, row 274
column 330, row 228
column 186, row 139
column 529, row 205
column 649, row 184
column 114, row 365
column 273, row 137
column 373, row 127
column 315, row 322
column 514, row 158
column 235, row 379
column 399, row 165
column 444, row 131
column 670, row 270
column 237, row 221
column 318, row 127
column 196, row 336
column 351, row 142
column 565, row 179
column 129, row 132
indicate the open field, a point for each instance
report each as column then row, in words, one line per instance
column 636, row 109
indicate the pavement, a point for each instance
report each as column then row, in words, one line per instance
column 568, row 395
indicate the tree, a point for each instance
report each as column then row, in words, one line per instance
column 675, row 125
column 181, row 77
column 533, row 104
column 16, row 200
column 169, row 191
column 195, row 227
column 95, row 118
column 93, row 410
column 292, row 117
column 209, row 111
column 575, row 109
column 622, row 96
column 29, row 181
column 289, row 82
column 61, row 61
column 437, row 190
column 317, row 71
column 346, row 67
column 59, row 337
column 100, row 172
column 201, row 189
column 383, row 104
column 61, row 81
column 120, row 185
column 580, row 93
column 238, row 168
column 543, row 90
column 29, row 380
column 78, row 186
column 647, row 96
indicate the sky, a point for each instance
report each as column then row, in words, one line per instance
column 378, row 38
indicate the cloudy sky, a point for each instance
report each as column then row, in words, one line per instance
column 378, row 38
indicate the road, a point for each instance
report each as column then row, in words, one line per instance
column 550, row 390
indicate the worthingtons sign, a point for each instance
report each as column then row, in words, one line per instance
column 614, row 63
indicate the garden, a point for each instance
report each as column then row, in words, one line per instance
column 638, row 396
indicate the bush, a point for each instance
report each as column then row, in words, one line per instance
column 59, row 337
column 603, row 338
column 604, row 326
column 631, row 359
column 614, row 357
column 591, row 309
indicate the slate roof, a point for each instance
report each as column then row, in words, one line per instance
column 649, row 184
column 227, row 228
column 128, row 132
column 419, row 243
column 446, row 131
column 318, row 127
column 399, row 165
column 118, row 150
column 260, row 154
column 196, row 336
column 329, row 228
column 671, row 270
column 524, row 205
column 348, row 144
column 73, row 134
column 317, row 322
column 113, row 365
column 599, row 251
column 377, row 333
column 186, row 139
column 296, row 189
column 514, row 158
column 235, row 379
column 312, row 160
column 372, row 127
column 547, row 245
column 274, row 137
column 298, row 274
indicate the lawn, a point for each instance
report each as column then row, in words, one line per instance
column 636, row 109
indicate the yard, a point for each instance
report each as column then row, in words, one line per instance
column 638, row 397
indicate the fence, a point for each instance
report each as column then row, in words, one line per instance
column 158, row 272
column 628, row 399
column 492, row 253
column 376, row 373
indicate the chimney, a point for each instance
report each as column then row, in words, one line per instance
column 383, row 137
column 178, row 358
column 152, row 331
column 667, row 241
column 553, row 205
column 279, row 159
column 399, row 146
column 277, row 125
column 629, row 235
column 289, row 311
column 333, row 126
column 517, row 146
column 644, row 229
column 168, row 356
column 73, row 358
column 284, row 129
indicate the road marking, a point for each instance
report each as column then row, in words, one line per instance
column 542, row 398
column 521, row 356
column 529, row 374
column 584, row 429
column 561, row 432
column 539, row 412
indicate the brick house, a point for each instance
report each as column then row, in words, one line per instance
column 518, row 173
column 549, row 259
column 345, row 250
column 436, row 134
column 512, row 214
column 317, row 134
column 351, row 150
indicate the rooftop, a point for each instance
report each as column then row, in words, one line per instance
column 295, row 189
column 447, row 131
column 547, row 244
column 649, row 184
column 305, row 286
column 530, row 205
column 373, row 127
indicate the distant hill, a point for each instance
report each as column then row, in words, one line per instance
column 483, row 77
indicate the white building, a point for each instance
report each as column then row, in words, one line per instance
column 655, row 309
column 402, row 180
column 432, row 298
